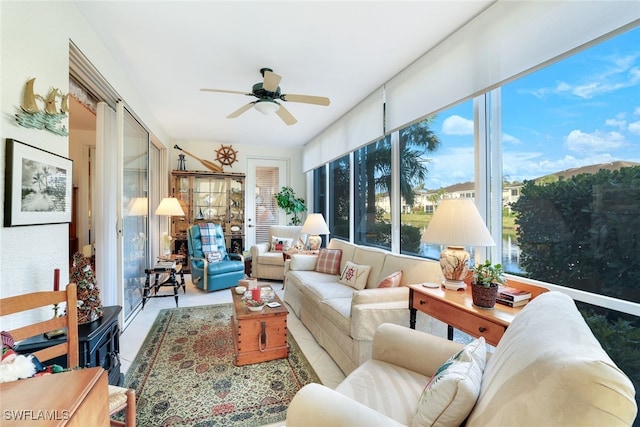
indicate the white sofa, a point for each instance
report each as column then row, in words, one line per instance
column 269, row 264
column 342, row 319
column 547, row 370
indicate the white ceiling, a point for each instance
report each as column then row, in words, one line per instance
column 342, row 50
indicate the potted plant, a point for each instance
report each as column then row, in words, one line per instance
column 484, row 285
column 291, row 204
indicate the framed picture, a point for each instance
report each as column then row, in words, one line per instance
column 37, row 186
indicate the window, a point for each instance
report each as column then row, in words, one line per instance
column 436, row 162
column 372, row 189
column 339, row 202
column 571, row 159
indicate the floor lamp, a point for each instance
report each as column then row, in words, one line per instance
column 456, row 223
column 169, row 206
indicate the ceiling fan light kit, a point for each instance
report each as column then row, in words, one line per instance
column 267, row 107
column 267, row 93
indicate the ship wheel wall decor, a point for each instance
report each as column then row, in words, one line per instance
column 226, row 155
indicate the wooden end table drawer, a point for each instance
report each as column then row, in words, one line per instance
column 460, row 319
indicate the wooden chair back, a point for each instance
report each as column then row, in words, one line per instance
column 21, row 303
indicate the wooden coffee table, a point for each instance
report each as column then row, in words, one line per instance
column 258, row 336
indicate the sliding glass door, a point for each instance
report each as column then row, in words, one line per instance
column 135, row 214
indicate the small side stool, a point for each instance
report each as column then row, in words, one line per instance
column 162, row 268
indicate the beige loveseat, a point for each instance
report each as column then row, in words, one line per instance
column 547, row 370
column 342, row 319
column 267, row 263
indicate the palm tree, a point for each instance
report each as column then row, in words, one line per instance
column 373, row 164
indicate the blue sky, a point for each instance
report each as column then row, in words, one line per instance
column 580, row 111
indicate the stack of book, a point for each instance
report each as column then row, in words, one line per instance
column 512, row 297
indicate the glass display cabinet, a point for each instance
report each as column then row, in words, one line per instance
column 209, row 197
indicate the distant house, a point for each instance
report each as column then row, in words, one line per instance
column 427, row 200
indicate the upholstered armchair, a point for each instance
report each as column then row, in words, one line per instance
column 212, row 268
column 266, row 261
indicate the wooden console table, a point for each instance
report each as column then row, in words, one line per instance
column 77, row 398
column 456, row 309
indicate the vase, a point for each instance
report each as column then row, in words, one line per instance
column 484, row 297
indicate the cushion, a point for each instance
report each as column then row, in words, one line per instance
column 355, row 275
column 329, row 261
column 280, row 244
column 208, row 237
column 213, row 256
column 391, row 281
column 451, row 393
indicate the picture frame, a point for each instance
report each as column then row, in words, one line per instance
column 38, row 186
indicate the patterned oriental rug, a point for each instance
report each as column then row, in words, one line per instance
column 184, row 374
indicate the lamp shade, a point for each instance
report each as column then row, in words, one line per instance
column 457, row 222
column 315, row 224
column 267, row 107
column 138, row 206
column 169, row 206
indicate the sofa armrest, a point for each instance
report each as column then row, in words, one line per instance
column 259, row 249
column 365, row 296
column 303, row 262
column 315, row 405
column 371, row 308
column 414, row 350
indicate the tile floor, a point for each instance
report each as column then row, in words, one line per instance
column 136, row 331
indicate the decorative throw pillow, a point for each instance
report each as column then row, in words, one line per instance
column 213, row 256
column 355, row 275
column 208, row 237
column 329, row 261
column 391, row 281
column 280, row 244
column 451, row 393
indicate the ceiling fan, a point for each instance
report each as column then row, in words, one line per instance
column 268, row 93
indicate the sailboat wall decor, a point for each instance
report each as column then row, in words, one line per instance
column 48, row 117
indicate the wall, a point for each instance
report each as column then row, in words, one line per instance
column 35, row 43
column 206, row 150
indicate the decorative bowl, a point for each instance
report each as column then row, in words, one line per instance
column 256, row 308
column 240, row 290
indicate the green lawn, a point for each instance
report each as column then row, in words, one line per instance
column 421, row 220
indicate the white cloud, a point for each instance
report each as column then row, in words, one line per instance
column 634, row 128
column 457, row 125
column 511, row 139
column 620, row 124
column 597, row 141
column 636, row 112
column 619, row 73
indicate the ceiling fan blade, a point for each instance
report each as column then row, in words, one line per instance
column 240, row 110
column 286, row 116
column 271, row 81
column 226, row 91
column 306, row 99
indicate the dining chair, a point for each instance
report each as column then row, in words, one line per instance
column 119, row 398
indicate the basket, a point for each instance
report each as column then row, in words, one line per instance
column 484, row 297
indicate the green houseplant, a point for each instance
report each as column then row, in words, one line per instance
column 291, row 204
column 484, row 284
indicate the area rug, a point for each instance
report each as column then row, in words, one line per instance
column 184, row 374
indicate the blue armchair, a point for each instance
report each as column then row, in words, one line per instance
column 212, row 276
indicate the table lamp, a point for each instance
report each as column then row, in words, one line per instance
column 169, row 206
column 313, row 226
column 456, row 223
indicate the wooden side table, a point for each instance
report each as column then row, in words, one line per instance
column 456, row 309
column 163, row 268
column 76, row 398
